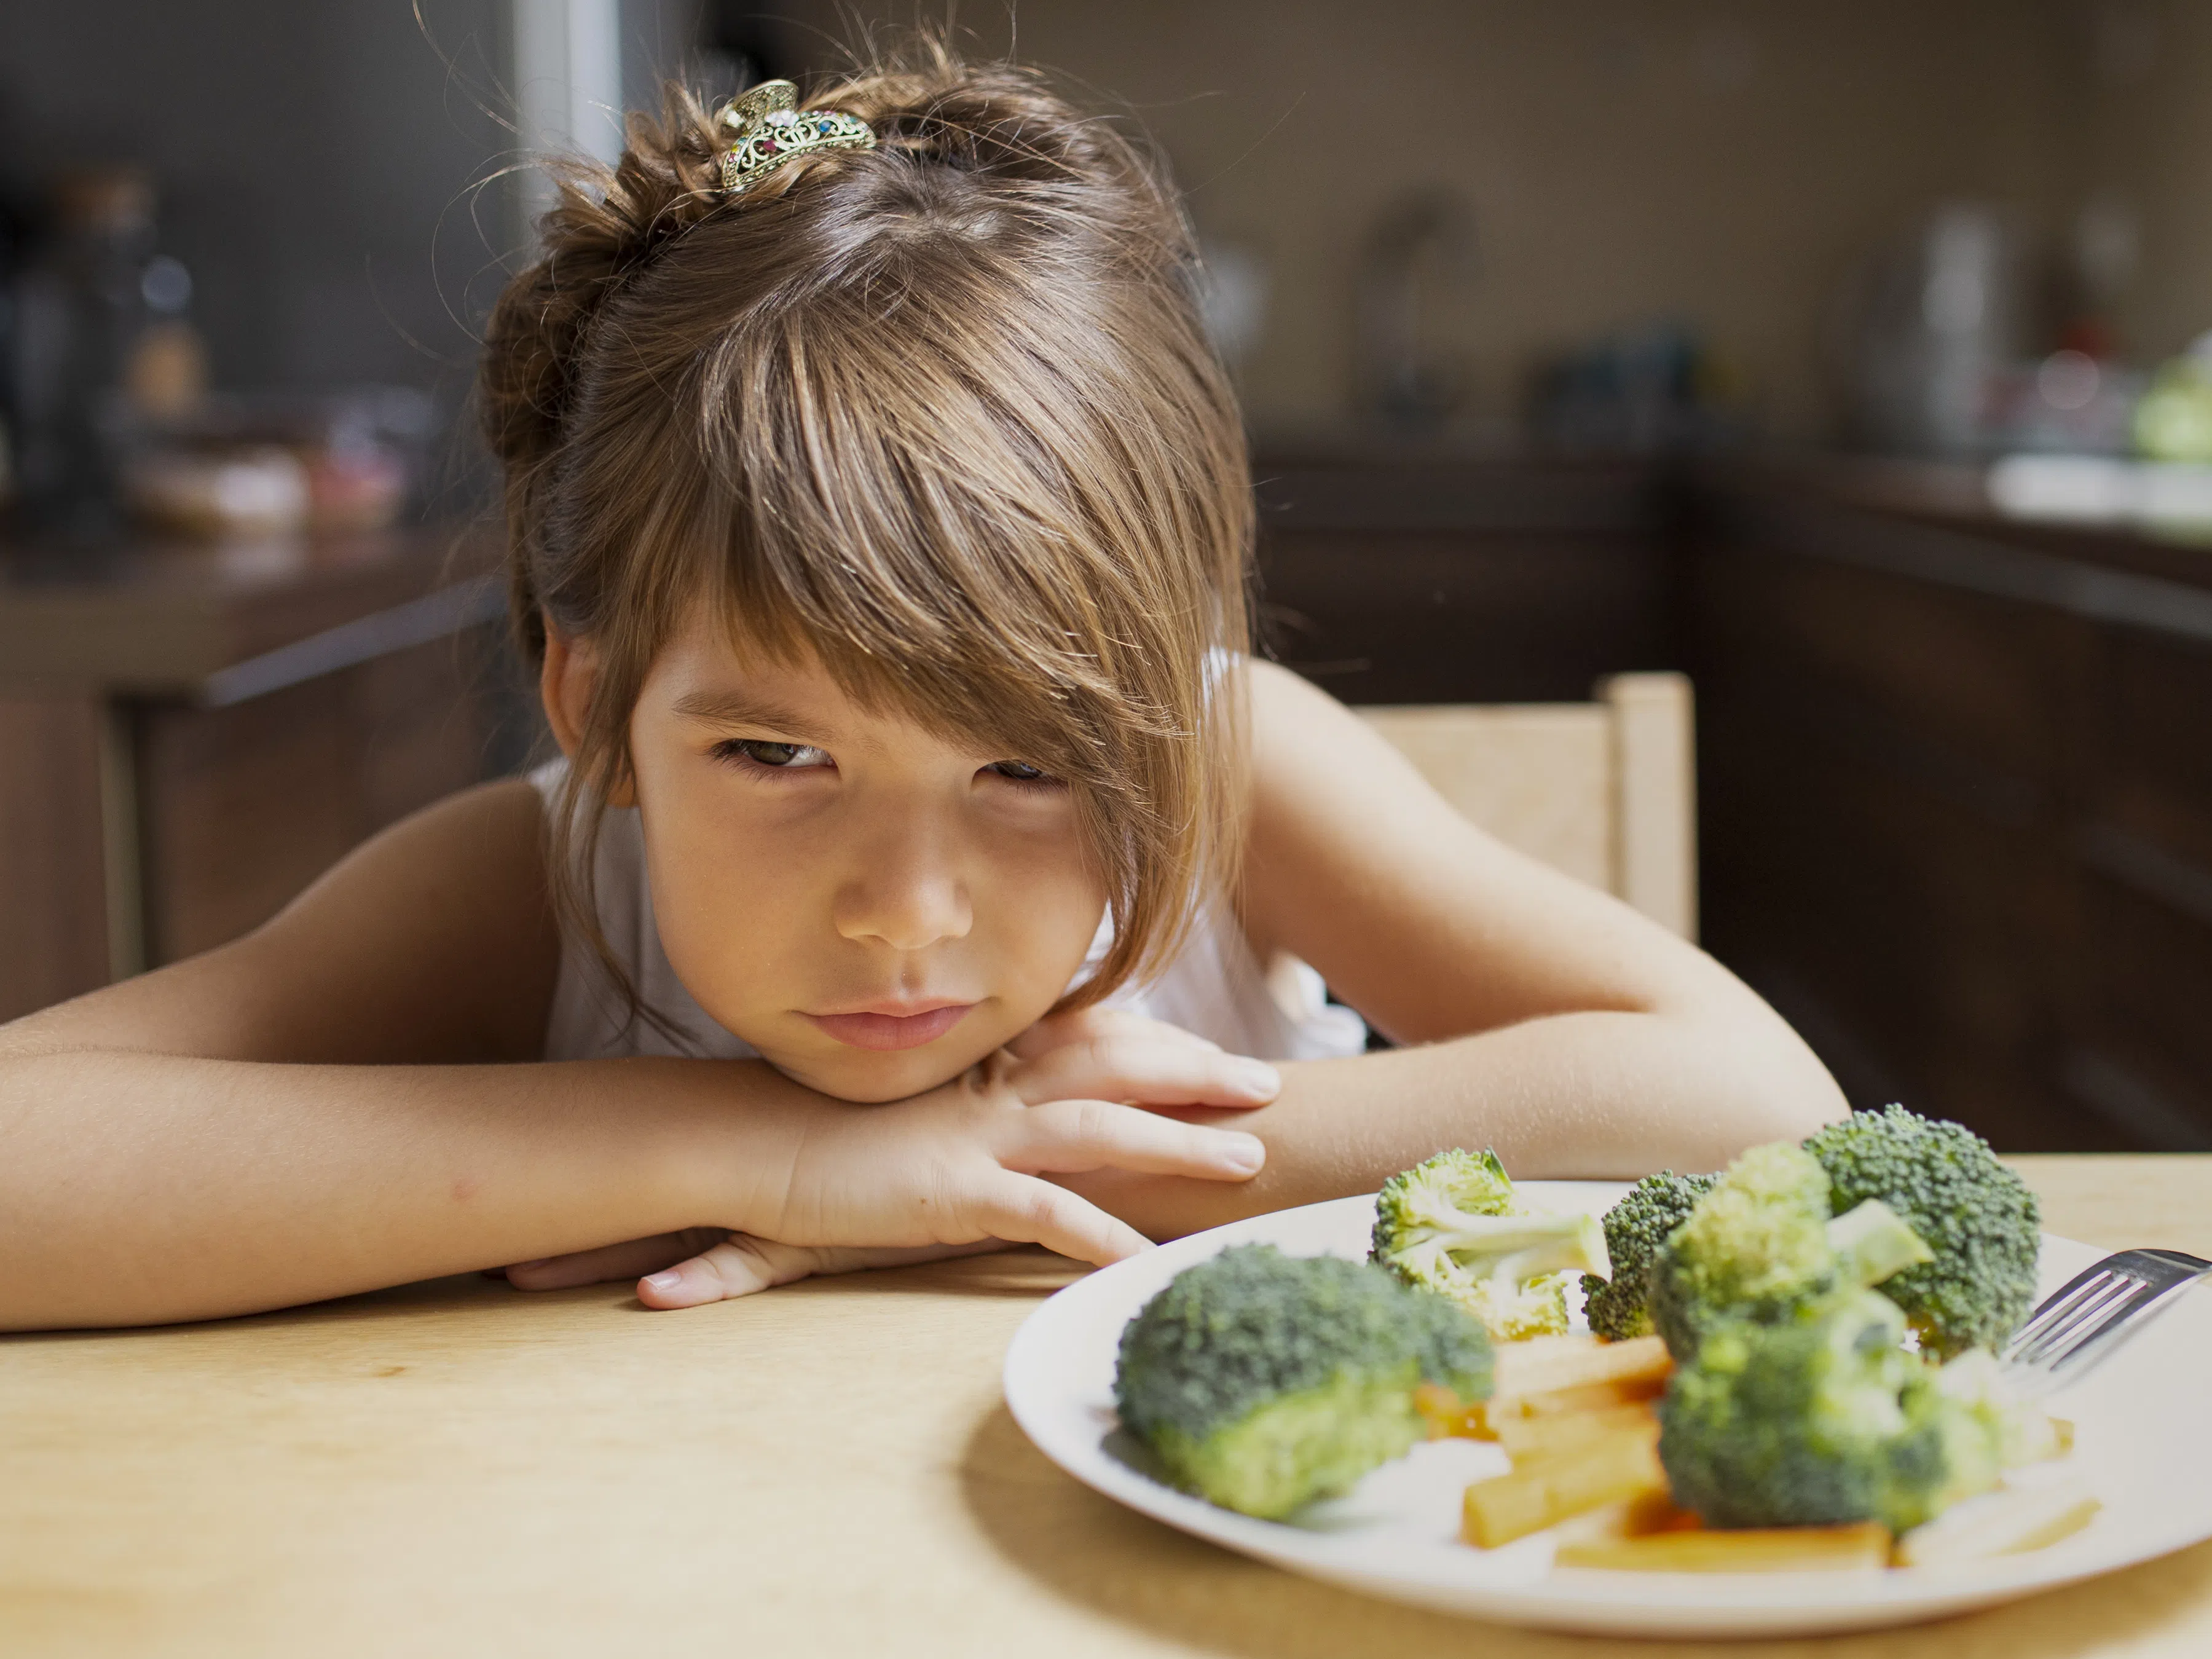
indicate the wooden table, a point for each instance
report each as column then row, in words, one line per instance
column 827, row 1470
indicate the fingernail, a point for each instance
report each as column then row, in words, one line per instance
column 1245, row 1153
column 667, row 1279
column 1259, row 1078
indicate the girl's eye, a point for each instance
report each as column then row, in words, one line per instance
column 1022, row 772
column 775, row 756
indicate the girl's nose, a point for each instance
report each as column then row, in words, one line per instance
column 907, row 897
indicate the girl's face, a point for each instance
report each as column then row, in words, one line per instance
column 873, row 907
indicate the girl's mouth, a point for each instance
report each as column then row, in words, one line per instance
column 874, row 1027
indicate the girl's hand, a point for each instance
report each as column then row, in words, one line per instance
column 1160, row 1066
column 712, row 1264
column 956, row 1171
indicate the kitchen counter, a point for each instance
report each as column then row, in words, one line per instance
column 151, row 617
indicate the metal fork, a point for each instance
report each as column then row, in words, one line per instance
column 2081, row 1324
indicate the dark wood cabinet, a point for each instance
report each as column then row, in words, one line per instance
column 189, row 737
column 241, row 807
column 1956, row 785
column 1414, row 579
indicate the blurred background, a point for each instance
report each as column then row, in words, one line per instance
column 1848, row 356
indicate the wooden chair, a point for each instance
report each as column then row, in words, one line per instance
column 1604, row 791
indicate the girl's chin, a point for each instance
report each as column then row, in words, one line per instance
column 868, row 1079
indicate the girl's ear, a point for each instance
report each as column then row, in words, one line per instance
column 565, row 684
column 571, row 669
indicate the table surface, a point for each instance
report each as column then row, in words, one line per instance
column 826, row 1469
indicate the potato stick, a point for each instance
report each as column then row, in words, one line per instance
column 1776, row 1549
column 1635, row 1517
column 1446, row 1415
column 1545, row 1364
column 1545, row 1490
column 1593, row 1396
column 2000, row 1523
column 1540, row 1437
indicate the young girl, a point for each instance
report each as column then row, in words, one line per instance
column 880, row 521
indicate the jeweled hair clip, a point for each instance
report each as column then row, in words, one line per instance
column 767, row 129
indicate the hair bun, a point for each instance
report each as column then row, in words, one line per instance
column 606, row 222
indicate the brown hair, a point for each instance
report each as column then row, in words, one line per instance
column 941, row 414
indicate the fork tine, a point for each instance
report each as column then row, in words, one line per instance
column 2092, row 1314
column 2057, row 1309
column 2115, row 1328
column 2094, row 1308
column 2071, row 1291
column 2091, row 1311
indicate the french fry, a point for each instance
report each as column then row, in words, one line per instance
column 1548, row 1364
column 1542, row 1491
column 2000, row 1523
column 1635, row 1517
column 1552, row 1376
column 1500, row 1409
column 1547, row 1434
column 1854, row 1548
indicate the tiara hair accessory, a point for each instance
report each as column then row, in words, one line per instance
column 770, row 128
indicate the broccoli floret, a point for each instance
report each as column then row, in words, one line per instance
column 1818, row 1422
column 1635, row 1230
column 1449, row 1225
column 1761, row 1247
column 1513, row 1311
column 1262, row 1380
column 1978, row 1219
column 2018, row 1430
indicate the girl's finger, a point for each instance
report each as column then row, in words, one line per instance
column 1144, row 1071
column 742, row 1264
column 738, row 1266
column 1070, row 1137
column 1024, row 1209
column 624, row 1261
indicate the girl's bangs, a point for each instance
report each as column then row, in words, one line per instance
column 964, row 587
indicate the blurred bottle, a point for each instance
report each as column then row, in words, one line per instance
column 101, row 342
column 1928, row 326
column 165, row 373
column 1417, row 269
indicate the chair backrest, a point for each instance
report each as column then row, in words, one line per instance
column 1605, row 791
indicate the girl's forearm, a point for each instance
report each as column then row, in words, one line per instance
column 1593, row 1095
column 139, row 1188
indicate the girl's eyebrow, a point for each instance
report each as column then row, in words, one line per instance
column 738, row 709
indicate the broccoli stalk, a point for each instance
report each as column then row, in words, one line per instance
column 1761, row 1246
column 1978, row 1219
column 1262, row 1381
column 1873, row 1244
column 1449, row 1225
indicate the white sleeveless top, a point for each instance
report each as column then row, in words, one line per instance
column 1214, row 987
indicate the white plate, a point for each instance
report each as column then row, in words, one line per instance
column 2144, row 1445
